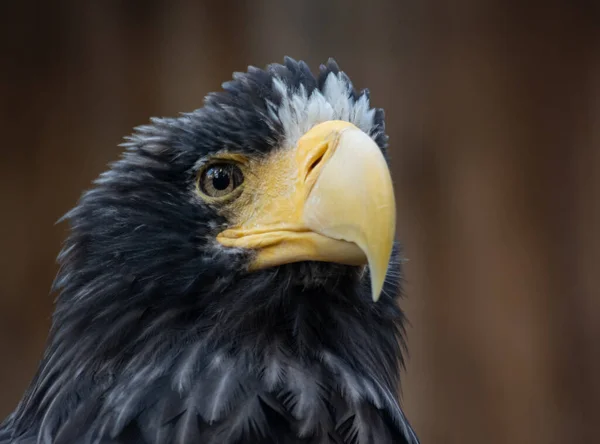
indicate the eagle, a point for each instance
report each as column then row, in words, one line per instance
column 233, row 278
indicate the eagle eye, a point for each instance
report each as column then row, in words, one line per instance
column 220, row 179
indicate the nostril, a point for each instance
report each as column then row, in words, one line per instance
column 316, row 161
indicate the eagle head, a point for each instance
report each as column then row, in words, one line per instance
column 232, row 279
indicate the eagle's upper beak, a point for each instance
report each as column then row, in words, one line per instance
column 330, row 199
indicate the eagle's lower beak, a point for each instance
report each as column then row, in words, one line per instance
column 329, row 199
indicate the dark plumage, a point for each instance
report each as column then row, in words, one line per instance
column 161, row 335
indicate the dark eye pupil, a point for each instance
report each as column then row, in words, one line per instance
column 220, row 179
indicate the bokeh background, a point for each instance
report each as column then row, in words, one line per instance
column 493, row 108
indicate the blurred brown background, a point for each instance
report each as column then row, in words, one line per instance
column 493, row 109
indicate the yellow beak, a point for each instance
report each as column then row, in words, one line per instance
column 328, row 199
